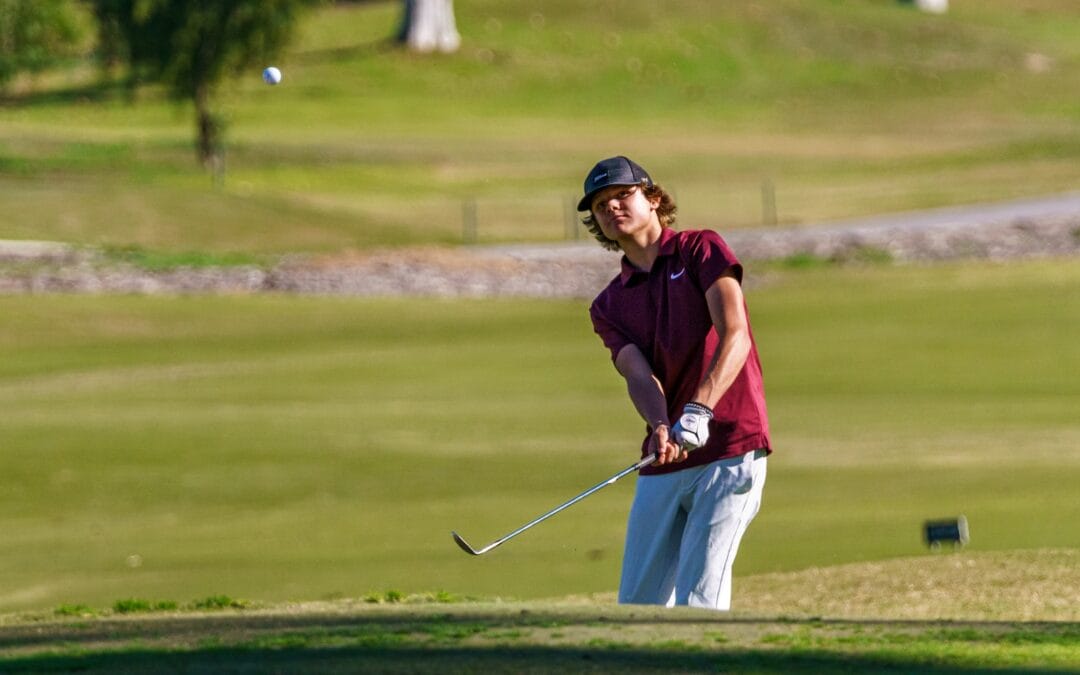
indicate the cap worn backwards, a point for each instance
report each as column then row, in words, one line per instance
column 612, row 171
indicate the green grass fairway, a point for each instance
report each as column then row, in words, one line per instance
column 848, row 108
column 283, row 448
column 590, row 635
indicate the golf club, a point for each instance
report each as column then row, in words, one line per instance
column 630, row 469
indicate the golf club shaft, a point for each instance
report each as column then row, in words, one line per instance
column 630, row 469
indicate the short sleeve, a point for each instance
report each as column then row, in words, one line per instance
column 613, row 338
column 708, row 257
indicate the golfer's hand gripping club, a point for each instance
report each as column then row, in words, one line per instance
column 692, row 430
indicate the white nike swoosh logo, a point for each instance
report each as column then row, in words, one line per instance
column 678, row 274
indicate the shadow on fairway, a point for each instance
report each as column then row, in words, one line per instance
column 94, row 92
column 430, row 641
column 485, row 660
column 348, row 53
column 457, row 623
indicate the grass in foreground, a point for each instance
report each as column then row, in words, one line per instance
column 530, row 639
column 582, row 635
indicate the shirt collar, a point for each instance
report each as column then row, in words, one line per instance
column 667, row 247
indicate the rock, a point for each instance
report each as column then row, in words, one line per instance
column 569, row 270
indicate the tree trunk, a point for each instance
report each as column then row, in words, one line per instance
column 429, row 25
column 209, row 135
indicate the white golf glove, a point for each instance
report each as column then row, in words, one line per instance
column 692, row 430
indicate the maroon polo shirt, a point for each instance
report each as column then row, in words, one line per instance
column 664, row 312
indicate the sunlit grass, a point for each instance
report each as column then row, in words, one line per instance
column 276, row 447
column 847, row 109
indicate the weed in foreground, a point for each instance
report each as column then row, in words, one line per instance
column 75, row 610
column 390, row 597
column 136, row 605
column 219, row 602
column 393, row 596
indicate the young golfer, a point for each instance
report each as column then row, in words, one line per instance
column 676, row 324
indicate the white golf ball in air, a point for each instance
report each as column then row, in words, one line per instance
column 271, row 75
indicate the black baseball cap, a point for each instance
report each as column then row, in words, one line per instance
column 612, row 171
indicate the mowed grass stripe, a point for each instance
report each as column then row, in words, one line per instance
column 279, row 447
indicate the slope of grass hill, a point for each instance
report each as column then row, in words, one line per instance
column 795, row 111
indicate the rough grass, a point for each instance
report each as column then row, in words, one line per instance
column 854, row 631
column 1039, row 585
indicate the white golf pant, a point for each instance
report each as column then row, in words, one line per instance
column 684, row 530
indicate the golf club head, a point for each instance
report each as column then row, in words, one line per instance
column 464, row 545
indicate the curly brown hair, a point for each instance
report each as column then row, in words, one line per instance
column 665, row 212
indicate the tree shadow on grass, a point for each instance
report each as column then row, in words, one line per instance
column 455, row 621
column 466, row 639
column 347, row 53
column 112, row 89
column 489, row 660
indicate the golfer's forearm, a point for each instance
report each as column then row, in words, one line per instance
column 728, row 313
column 648, row 398
column 728, row 361
column 646, row 392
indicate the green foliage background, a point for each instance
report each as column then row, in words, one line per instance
column 36, row 34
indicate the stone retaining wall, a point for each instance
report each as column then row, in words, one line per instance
column 552, row 270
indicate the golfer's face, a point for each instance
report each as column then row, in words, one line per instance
column 623, row 210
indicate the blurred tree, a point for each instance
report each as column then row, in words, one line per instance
column 35, row 34
column 114, row 24
column 429, row 25
column 191, row 46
